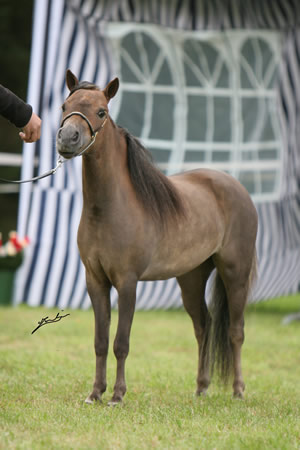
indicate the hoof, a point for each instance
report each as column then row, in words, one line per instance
column 202, row 393
column 115, row 401
column 238, row 395
column 93, row 398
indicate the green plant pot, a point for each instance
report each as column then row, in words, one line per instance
column 8, row 268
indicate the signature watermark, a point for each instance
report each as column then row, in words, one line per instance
column 46, row 320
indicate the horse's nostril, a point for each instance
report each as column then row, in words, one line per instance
column 75, row 137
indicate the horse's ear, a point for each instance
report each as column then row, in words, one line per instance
column 71, row 80
column 111, row 89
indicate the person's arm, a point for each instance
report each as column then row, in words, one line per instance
column 20, row 114
column 13, row 108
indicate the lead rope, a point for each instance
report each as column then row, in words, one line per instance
column 44, row 175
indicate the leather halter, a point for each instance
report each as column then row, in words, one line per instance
column 93, row 132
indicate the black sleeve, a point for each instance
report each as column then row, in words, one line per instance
column 13, row 108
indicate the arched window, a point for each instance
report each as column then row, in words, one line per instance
column 202, row 99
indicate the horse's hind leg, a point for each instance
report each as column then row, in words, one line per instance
column 99, row 292
column 235, row 268
column 237, row 299
column 192, row 286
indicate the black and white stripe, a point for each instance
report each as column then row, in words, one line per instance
column 71, row 33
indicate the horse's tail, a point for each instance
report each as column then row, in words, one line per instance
column 221, row 355
column 253, row 273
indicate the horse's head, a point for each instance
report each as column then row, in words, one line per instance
column 85, row 112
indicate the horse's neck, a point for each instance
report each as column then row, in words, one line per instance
column 103, row 170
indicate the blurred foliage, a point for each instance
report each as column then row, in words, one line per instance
column 15, row 45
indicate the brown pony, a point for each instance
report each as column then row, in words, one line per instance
column 138, row 224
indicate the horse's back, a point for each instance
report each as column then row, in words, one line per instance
column 217, row 188
column 223, row 198
column 212, row 180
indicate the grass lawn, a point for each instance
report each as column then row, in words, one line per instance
column 45, row 377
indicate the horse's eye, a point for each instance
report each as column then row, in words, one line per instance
column 63, row 107
column 101, row 113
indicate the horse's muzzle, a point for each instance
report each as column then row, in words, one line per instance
column 70, row 141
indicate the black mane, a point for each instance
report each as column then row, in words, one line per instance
column 154, row 190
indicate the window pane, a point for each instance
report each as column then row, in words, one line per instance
column 245, row 80
column 209, row 52
column 131, row 114
column 162, row 117
column 268, row 180
column 127, row 72
column 259, row 60
column 164, row 76
column 267, row 132
column 222, row 117
column 190, row 77
column 247, row 179
column 204, row 63
column 194, row 156
column 268, row 154
column 223, row 79
column 249, row 115
column 220, row 156
column 160, row 155
column 196, row 123
column 129, row 43
column 249, row 155
column 256, row 116
column 151, row 49
column 193, row 72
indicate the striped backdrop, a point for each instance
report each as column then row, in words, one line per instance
column 71, row 33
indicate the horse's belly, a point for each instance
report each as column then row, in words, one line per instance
column 168, row 264
column 164, row 273
column 183, row 249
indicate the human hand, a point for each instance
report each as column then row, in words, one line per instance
column 32, row 131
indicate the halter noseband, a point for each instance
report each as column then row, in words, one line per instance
column 93, row 132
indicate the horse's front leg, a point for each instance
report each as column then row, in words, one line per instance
column 126, row 306
column 99, row 292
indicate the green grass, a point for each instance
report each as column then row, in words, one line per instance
column 45, row 377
